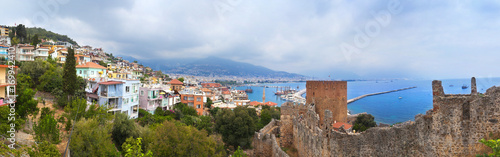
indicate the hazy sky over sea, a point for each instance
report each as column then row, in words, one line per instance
column 345, row 39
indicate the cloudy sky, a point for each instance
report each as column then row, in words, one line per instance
column 344, row 39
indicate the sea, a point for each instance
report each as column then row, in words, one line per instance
column 387, row 108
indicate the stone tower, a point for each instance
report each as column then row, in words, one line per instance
column 264, row 95
column 328, row 95
column 473, row 87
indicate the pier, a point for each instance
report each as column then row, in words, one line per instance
column 297, row 97
column 366, row 95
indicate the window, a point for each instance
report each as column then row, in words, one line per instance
column 127, row 89
column 198, row 99
column 91, row 72
column 80, row 71
column 142, row 92
column 198, row 106
column 185, row 98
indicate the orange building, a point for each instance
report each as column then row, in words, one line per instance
column 194, row 98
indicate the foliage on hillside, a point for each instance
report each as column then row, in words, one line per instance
column 45, row 34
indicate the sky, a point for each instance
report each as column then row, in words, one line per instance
column 349, row 39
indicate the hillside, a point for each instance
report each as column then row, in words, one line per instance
column 42, row 34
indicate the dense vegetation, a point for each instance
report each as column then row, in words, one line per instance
column 26, row 35
column 363, row 122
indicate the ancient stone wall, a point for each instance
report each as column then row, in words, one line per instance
column 264, row 141
column 328, row 95
column 452, row 128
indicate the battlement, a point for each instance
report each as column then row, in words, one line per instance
column 452, row 128
column 328, row 95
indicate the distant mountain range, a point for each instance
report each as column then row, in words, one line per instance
column 213, row 66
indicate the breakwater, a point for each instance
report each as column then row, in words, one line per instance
column 366, row 95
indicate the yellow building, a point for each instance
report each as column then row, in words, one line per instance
column 3, row 84
column 4, row 31
column 117, row 75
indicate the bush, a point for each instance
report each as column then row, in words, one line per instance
column 363, row 122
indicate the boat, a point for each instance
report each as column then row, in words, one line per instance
column 249, row 90
column 400, row 97
column 465, row 87
column 451, row 85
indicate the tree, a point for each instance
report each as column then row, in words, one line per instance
column 363, row 122
column 181, row 79
column 494, row 145
column 21, row 33
column 35, row 69
column 26, row 105
column 47, row 129
column 239, row 153
column 204, row 123
column 35, row 41
column 123, row 128
column 182, row 109
column 69, row 74
column 103, row 64
column 92, row 139
column 44, row 149
column 171, row 139
column 135, row 61
column 14, row 41
column 209, row 103
column 5, row 122
column 236, row 127
column 51, row 80
column 132, row 148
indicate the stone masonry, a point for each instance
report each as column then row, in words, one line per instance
column 452, row 128
column 328, row 95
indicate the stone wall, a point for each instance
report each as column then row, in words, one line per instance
column 328, row 95
column 264, row 141
column 452, row 128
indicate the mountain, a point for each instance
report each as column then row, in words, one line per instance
column 214, row 66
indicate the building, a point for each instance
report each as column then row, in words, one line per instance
column 4, row 51
column 150, row 98
column 4, row 85
column 176, row 85
column 194, row 98
column 4, row 31
column 90, row 70
column 328, row 95
column 120, row 96
column 61, row 55
column 42, row 53
column 82, row 59
column 25, row 53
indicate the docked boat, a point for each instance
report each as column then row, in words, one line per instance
column 249, row 90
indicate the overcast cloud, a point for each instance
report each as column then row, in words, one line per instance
column 422, row 39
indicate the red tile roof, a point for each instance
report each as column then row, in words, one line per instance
column 211, row 85
column 339, row 124
column 226, row 92
column 255, row 103
column 269, row 103
column 90, row 65
column 110, row 82
column 175, row 82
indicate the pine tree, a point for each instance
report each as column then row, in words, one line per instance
column 69, row 74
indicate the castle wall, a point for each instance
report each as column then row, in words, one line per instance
column 264, row 141
column 328, row 95
column 452, row 128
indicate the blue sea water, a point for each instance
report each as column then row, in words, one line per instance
column 387, row 108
